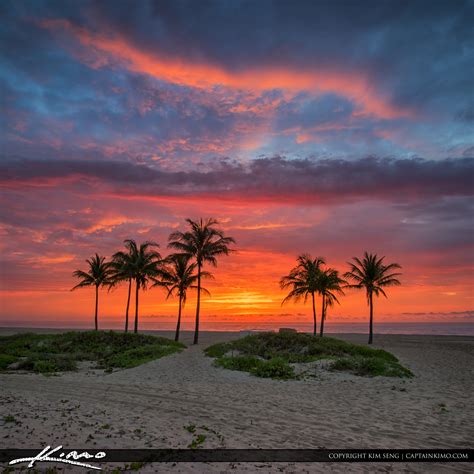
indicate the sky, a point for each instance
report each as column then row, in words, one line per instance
column 322, row 127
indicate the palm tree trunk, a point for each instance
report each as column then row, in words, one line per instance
column 176, row 337
column 323, row 316
column 96, row 307
column 198, row 306
column 371, row 328
column 128, row 303
column 314, row 316
column 135, row 330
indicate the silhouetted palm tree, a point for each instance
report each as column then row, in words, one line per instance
column 177, row 276
column 124, row 270
column 373, row 275
column 303, row 281
column 203, row 242
column 329, row 286
column 97, row 275
column 145, row 264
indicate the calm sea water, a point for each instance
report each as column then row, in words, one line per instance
column 448, row 329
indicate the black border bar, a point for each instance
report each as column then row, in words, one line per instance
column 254, row 455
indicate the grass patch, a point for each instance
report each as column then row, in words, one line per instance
column 275, row 368
column 6, row 360
column 45, row 363
column 139, row 355
column 197, row 441
column 243, row 363
column 370, row 367
column 270, row 354
column 51, row 353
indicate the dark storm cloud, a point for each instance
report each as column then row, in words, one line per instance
column 274, row 177
column 414, row 54
column 420, row 48
column 447, row 210
column 240, row 32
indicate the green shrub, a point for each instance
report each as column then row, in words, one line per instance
column 20, row 344
column 6, row 360
column 343, row 364
column 371, row 367
column 51, row 353
column 244, row 363
column 299, row 348
column 217, row 350
column 138, row 355
column 276, row 368
column 44, row 366
column 47, row 364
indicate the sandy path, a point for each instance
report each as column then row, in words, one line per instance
column 149, row 406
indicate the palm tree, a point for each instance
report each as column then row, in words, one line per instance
column 124, row 270
column 203, row 242
column 373, row 275
column 329, row 286
column 303, row 280
column 97, row 275
column 177, row 276
column 144, row 264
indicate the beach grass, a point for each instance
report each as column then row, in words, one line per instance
column 274, row 355
column 52, row 353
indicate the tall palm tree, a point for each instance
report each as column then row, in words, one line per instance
column 177, row 276
column 329, row 286
column 145, row 264
column 303, row 280
column 124, row 270
column 97, row 275
column 204, row 242
column 373, row 275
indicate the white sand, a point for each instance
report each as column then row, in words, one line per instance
column 149, row 406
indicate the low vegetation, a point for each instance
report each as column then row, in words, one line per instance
column 201, row 433
column 51, row 353
column 273, row 355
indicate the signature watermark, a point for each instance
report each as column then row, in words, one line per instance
column 71, row 457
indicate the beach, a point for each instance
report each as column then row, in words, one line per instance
column 160, row 403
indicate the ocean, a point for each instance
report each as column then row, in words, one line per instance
column 434, row 328
column 448, row 329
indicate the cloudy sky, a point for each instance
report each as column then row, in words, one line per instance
column 323, row 127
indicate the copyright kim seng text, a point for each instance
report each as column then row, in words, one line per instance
column 398, row 456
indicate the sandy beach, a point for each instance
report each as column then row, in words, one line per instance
column 150, row 406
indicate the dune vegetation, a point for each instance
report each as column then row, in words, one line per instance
column 277, row 355
column 51, row 353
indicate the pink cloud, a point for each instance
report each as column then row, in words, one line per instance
column 101, row 49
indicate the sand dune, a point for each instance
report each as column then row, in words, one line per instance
column 149, row 406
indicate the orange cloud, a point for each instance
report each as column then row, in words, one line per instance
column 108, row 224
column 45, row 260
column 102, row 48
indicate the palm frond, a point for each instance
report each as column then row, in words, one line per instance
column 372, row 274
column 98, row 274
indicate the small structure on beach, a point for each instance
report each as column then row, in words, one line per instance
column 249, row 332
